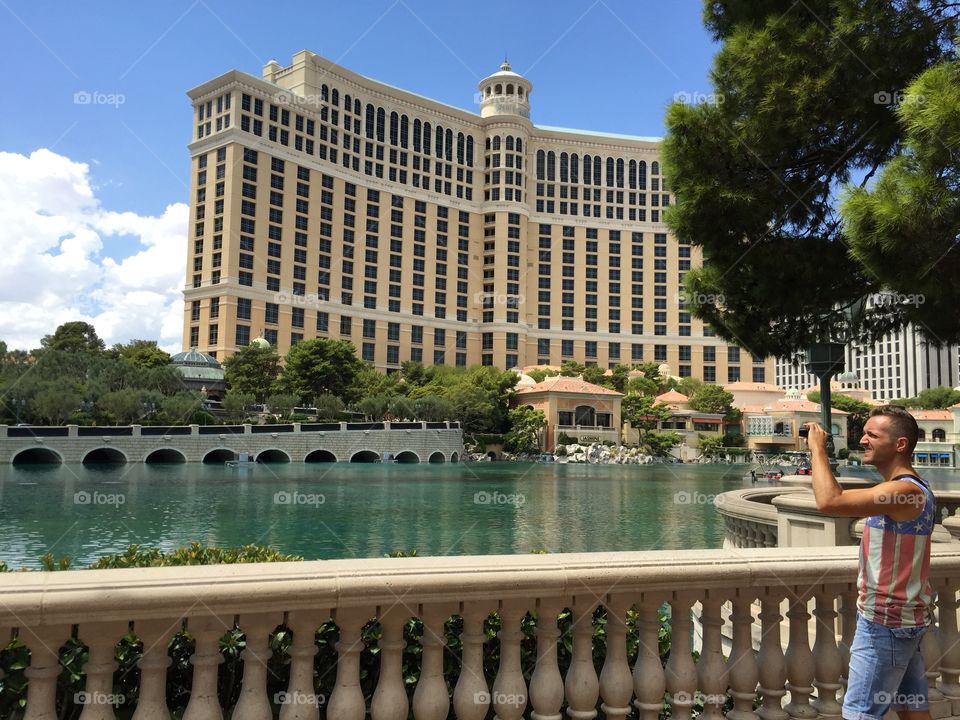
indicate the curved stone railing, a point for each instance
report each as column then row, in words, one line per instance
column 102, row 606
column 759, row 517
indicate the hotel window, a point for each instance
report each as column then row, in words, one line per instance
column 636, row 351
column 660, row 353
column 733, row 354
column 369, row 350
column 243, row 335
column 733, row 374
column 759, row 374
column 346, row 326
column 566, row 348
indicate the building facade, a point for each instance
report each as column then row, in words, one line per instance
column 324, row 203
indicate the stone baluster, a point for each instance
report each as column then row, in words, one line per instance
column 204, row 702
column 546, row 683
column 155, row 636
column 742, row 666
column 799, row 659
column 509, row 688
column 471, row 697
column 300, row 701
column 649, row 680
column 681, row 672
column 616, row 681
column 431, row 700
column 390, row 698
column 930, row 649
column 44, row 644
column 711, row 669
column 346, row 701
column 582, row 685
column 848, row 627
column 101, row 640
column 828, row 663
column 773, row 671
column 950, row 641
column 254, row 704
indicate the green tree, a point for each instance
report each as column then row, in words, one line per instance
column 329, row 407
column 142, row 354
column 594, row 374
column 433, row 408
column 318, row 366
column 936, row 398
column 571, row 368
column 904, row 227
column 236, row 405
column 401, row 408
column 711, row 444
column 254, row 370
column 538, row 375
column 659, row 444
column 281, row 404
column 644, row 414
column 125, row 406
column 526, row 427
column 712, row 399
column 374, row 407
column 757, row 172
column 689, row 385
column 73, row 337
column 618, row 378
column 179, row 409
column 55, row 403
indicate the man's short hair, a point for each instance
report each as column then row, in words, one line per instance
column 902, row 423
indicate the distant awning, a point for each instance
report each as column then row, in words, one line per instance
column 944, row 456
column 921, row 456
column 709, row 421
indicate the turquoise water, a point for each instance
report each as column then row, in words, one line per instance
column 343, row 511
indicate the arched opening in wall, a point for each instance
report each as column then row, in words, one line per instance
column 437, row 458
column 320, row 456
column 585, row 415
column 165, row 455
column 408, row 456
column 218, row 456
column 365, row 456
column 455, row 458
column 492, row 455
column 37, row 456
column 921, row 435
column 272, row 456
column 104, row 456
column 939, row 435
column 498, row 89
column 509, row 88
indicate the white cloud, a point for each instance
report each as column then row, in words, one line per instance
column 53, row 268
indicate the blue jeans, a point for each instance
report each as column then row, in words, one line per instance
column 886, row 671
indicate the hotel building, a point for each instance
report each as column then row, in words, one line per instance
column 324, row 203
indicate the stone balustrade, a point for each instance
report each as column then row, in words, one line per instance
column 802, row 681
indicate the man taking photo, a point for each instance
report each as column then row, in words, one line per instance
column 894, row 604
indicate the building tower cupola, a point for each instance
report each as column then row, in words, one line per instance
column 505, row 93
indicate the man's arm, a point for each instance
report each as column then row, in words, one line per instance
column 900, row 499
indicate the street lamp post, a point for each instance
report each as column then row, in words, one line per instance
column 826, row 360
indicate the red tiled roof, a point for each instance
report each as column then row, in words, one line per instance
column 672, row 396
column 932, row 414
column 571, row 385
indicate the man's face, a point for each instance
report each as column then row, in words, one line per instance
column 879, row 442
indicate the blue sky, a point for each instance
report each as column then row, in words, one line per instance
column 608, row 65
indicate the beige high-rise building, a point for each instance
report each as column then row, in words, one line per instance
column 324, row 203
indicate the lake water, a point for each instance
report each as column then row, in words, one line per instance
column 323, row 511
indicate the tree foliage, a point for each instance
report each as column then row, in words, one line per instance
column 74, row 337
column 936, row 398
column 254, row 370
column 757, row 171
column 712, row 399
column 143, row 354
column 318, row 366
column 526, row 426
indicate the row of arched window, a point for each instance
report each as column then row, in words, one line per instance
column 619, row 173
column 444, row 144
column 938, row 435
column 509, row 143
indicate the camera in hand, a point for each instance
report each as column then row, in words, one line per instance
column 804, row 431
